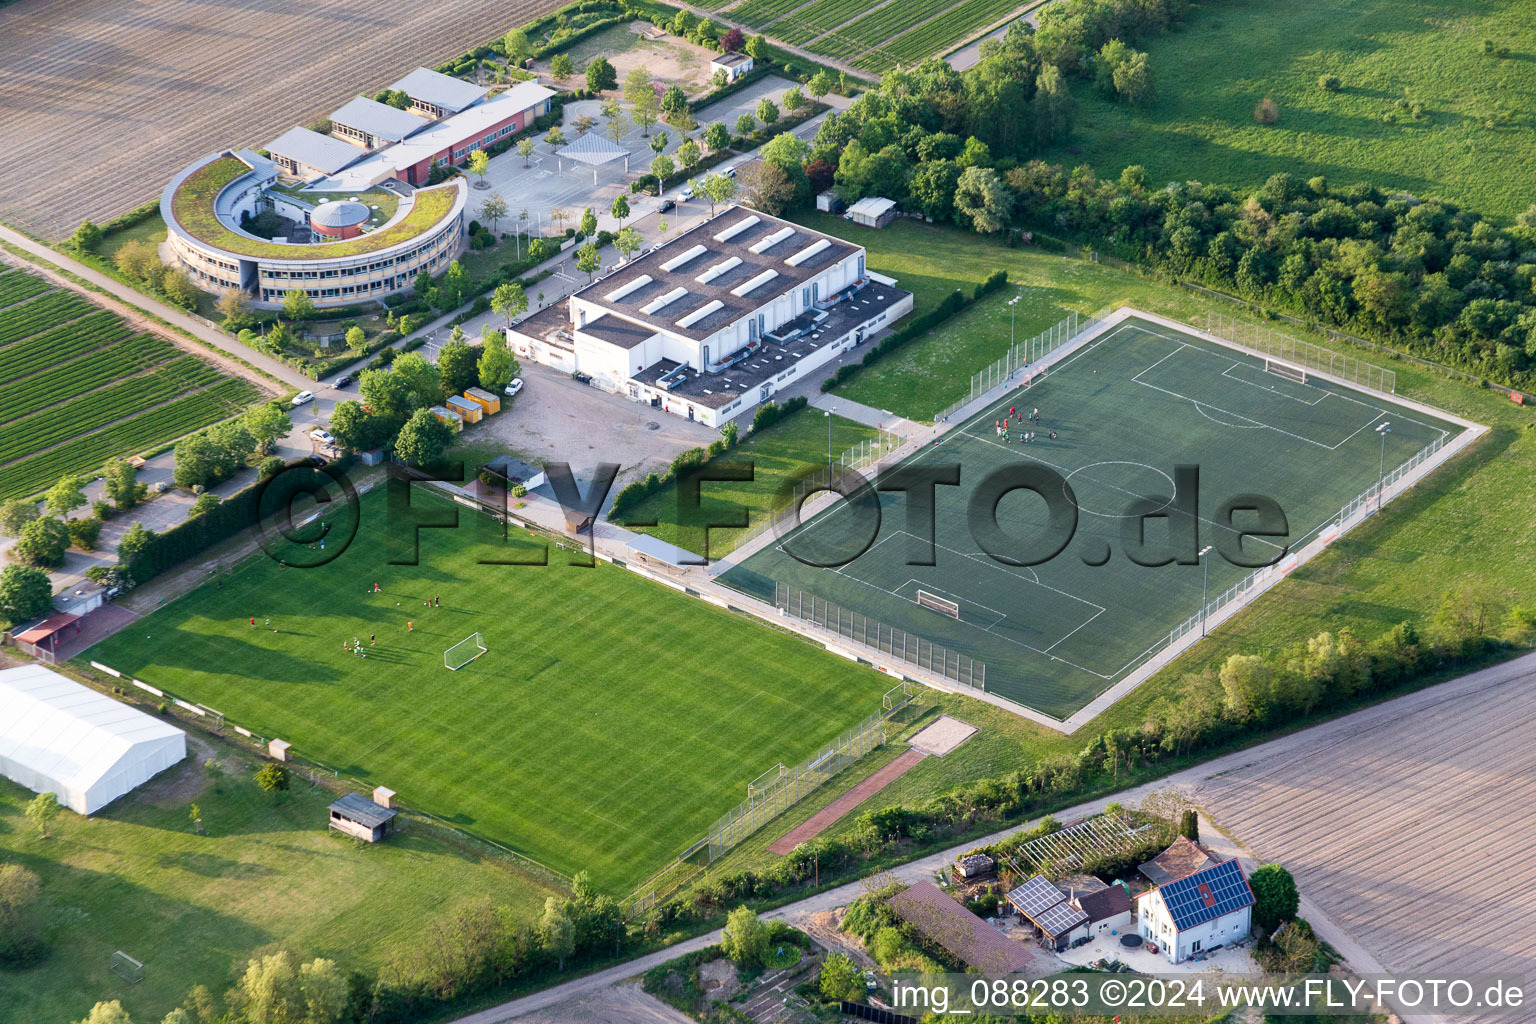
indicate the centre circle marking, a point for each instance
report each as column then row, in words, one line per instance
column 1130, row 496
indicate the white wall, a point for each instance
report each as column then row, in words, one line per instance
column 1154, row 923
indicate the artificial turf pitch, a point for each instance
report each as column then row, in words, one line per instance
column 610, row 723
column 1128, row 407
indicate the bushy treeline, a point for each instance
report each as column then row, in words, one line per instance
column 1249, row 696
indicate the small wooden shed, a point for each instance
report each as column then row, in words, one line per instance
column 485, row 399
column 469, row 411
column 361, row 818
column 448, row 416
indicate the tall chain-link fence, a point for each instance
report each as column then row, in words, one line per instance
column 1263, row 340
column 1021, row 362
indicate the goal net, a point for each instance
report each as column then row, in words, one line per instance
column 1295, row 373
column 127, row 968
column 943, row 606
column 463, row 652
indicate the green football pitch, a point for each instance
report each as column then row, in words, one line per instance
column 1127, row 408
column 611, row 721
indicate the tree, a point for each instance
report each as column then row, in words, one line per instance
column 25, row 592
column 386, row 393
column 456, row 364
column 179, row 1015
column 640, row 94
column 205, row 503
column 516, row 46
column 555, row 136
column 42, row 542
column 820, row 84
column 20, row 938
column 757, row 47
column 765, row 186
column 276, row 990
column 420, row 378
column 745, row 939
column 131, row 547
column 620, row 209
column 494, row 207
column 628, row 242
column 717, row 136
column 674, row 100
column 793, row 99
column 509, row 301
column 15, row 514
column 140, row 260
column 561, row 67
column 588, row 222
column 601, row 76
column 1245, row 683
column 587, row 259
column 86, row 237
column 732, row 41
column 618, row 124
column 496, row 367
column 583, row 124
column 841, row 979
column 746, row 124
column 787, row 150
column 932, row 187
column 1189, row 825
column 982, row 200
column 65, row 496
column 663, row 168
column 1275, row 899
column 1133, row 80
column 767, row 110
column 122, row 484
column 719, row 189
column 556, row 932
column 688, row 154
column 525, row 150
column 359, row 430
column 297, row 305
column 234, row 305
column 107, row 1013
column 178, row 287
column 1053, row 106
column 84, row 532
column 356, row 339
column 42, row 812
column 423, row 439
column 455, row 284
column 659, row 142
column 479, row 163
column 270, row 423
column 272, row 778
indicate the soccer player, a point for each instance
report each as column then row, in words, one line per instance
column 410, row 627
column 267, row 623
column 370, row 639
column 253, row 622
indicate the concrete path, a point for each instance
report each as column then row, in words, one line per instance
column 1354, row 728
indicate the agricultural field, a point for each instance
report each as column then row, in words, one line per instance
column 78, row 387
column 937, row 34
column 149, row 87
column 854, row 30
column 609, row 724
column 1468, row 142
column 265, row 874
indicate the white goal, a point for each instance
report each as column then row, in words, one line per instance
column 127, row 968
column 942, row 605
column 1289, row 370
column 463, row 652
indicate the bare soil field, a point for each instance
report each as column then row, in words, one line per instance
column 671, row 60
column 104, row 100
column 1414, row 834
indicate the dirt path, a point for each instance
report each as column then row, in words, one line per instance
column 829, row 815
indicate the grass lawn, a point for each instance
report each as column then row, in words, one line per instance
column 191, row 907
column 931, row 260
column 1471, row 145
column 151, row 229
column 779, row 455
column 612, row 721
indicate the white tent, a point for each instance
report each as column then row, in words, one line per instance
column 86, row 748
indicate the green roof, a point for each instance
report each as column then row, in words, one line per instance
column 193, row 210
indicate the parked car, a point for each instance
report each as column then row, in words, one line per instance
column 514, row 387
column 303, row 398
column 666, row 205
column 322, row 435
column 730, row 172
column 582, row 378
column 343, row 380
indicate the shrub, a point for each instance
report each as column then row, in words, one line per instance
column 101, row 509
column 83, row 532
column 1329, row 83
column 1266, row 111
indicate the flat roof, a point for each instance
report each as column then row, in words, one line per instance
column 616, row 330
column 440, row 90
column 730, row 60
column 721, row 388
column 718, row 270
column 323, row 153
column 872, row 206
column 379, row 119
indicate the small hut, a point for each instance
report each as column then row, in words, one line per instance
column 361, row 818
column 469, row 412
column 454, row 420
column 487, row 401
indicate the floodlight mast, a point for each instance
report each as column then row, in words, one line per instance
column 1205, row 587
column 1381, row 469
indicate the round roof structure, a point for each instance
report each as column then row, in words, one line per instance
column 341, row 214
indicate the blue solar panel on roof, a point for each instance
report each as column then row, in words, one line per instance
column 1206, row 895
column 1061, row 918
column 1036, row 896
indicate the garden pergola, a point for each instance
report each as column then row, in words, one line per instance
column 594, row 150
